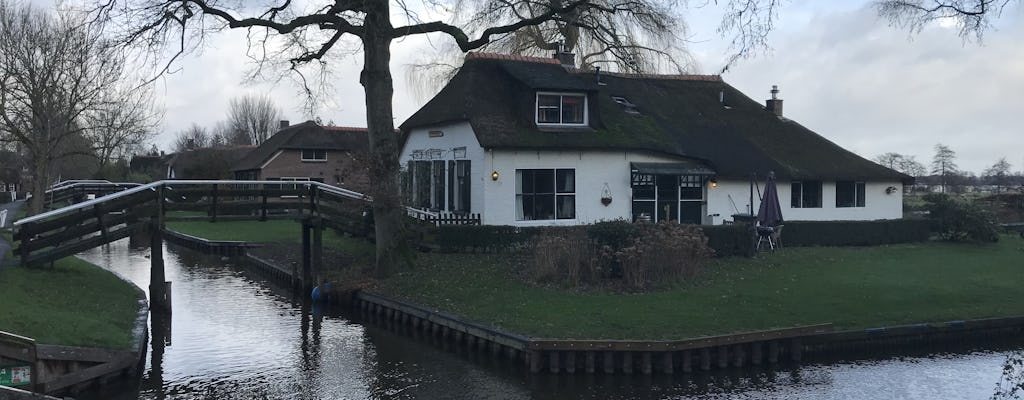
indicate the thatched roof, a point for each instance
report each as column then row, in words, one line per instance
column 679, row 115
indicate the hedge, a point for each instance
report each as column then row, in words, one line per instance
column 730, row 240
column 854, row 233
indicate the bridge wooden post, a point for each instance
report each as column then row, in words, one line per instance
column 317, row 250
column 159, row 296
column 307, row 256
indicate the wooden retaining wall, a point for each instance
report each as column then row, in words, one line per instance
column 683, row 356
column 224, row 248
column 590, row 356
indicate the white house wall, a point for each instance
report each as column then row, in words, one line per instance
column 594, row 169
column 878, row 204
column 455, row 135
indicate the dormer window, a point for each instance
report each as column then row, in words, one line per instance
column 561, row 109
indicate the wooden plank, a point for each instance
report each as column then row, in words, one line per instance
column 70, row 353
column 17, row 347
column 55, row 238
column 81, row 245
column 87, row 374
column 230, row 217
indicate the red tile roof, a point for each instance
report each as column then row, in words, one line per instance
column 495, row 56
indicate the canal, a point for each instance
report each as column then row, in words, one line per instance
column 234, row 335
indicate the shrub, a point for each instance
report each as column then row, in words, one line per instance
column 957, row 220
column 615, row 234
column 854, row 233
column 565, row 255
column 730, row 240
column 663, row 253
column 482, row 238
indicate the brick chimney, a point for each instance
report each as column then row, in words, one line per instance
column 774, row 104
column 284, row 124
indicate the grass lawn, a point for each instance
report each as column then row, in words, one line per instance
column 849, row 287
column 282, row 231
column 74, row 304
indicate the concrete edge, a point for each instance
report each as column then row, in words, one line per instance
column 9, row 393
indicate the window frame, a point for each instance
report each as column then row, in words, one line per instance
column 558, row 194
column 802, row 196
column 302, row 155
column 561, row 106
column 859, row 192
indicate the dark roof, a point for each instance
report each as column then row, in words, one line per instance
column 679, row 115
column 305, row 136
column 207, row 162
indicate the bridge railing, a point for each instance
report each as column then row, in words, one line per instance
column 77, row 190
column 94, row 222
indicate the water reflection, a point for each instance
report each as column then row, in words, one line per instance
column 238, row 336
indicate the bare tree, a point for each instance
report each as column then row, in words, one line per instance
column 255, row 115
column 905, row 164
column 195, row 137
column 972, row 17
column 54, row 71
column 123, row 121
column 308, row 34
column 227, row 133
column 998, row 174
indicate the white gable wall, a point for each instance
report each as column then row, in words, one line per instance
column 457, row 134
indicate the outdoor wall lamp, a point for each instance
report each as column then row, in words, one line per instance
column 713, row 183
column 890, row 190
column 494, row 175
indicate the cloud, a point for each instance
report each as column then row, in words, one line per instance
column 872, row 88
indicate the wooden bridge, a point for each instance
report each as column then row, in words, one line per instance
column 143, row 209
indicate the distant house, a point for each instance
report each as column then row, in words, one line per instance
column 530, row 141
column 310, row 152
column 206, row 162
column 153, row 166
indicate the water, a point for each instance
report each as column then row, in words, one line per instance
column 236, row 336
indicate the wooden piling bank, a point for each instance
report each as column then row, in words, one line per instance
column 223, row 248
column 805, row 343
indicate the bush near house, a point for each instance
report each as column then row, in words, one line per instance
column 854, row 233
column 957, row 221
column 617, row 253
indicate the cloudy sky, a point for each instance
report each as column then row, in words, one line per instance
column 843, row 72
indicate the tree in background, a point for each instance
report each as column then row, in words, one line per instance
column 944, row 165
column 254, row 115
column 59, row 77
column 972, row 17
column 124, row 125
column 998, row 174
column 195, row 137
column 905, row 164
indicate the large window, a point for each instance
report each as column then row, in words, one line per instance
column 544, row 194
column 805, row 194
column 849, row 194
column 314, row 155
column 561, row 109
column 438, row 185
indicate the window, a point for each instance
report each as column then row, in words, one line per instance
column 849, row 194
column 544, row 194
column 314, row 155
column 806, row 194
column 458, row 186
column 561, row 109
column 437, row 185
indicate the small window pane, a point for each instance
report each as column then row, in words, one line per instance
column 812, row 194
column 543, row 206
column 643, row 210
column 566, row 181
column 544, row 181
column 547, row 100
column 845, row 193
column 566, row 206
column 572, row 109
column 795, row 195
column 643, row 192
column 860, row 194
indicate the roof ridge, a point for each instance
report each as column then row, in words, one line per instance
column 344, row 128
column 678, row 77
column 509, row 57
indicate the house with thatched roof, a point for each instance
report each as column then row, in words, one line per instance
column 535, row 141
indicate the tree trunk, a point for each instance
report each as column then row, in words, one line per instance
column 378, row 87
column 40, row 177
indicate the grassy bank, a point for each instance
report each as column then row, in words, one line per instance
column 850, row 287
column 280, row 231
column 74, row 303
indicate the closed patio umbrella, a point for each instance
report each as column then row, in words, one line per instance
column 770, row 213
